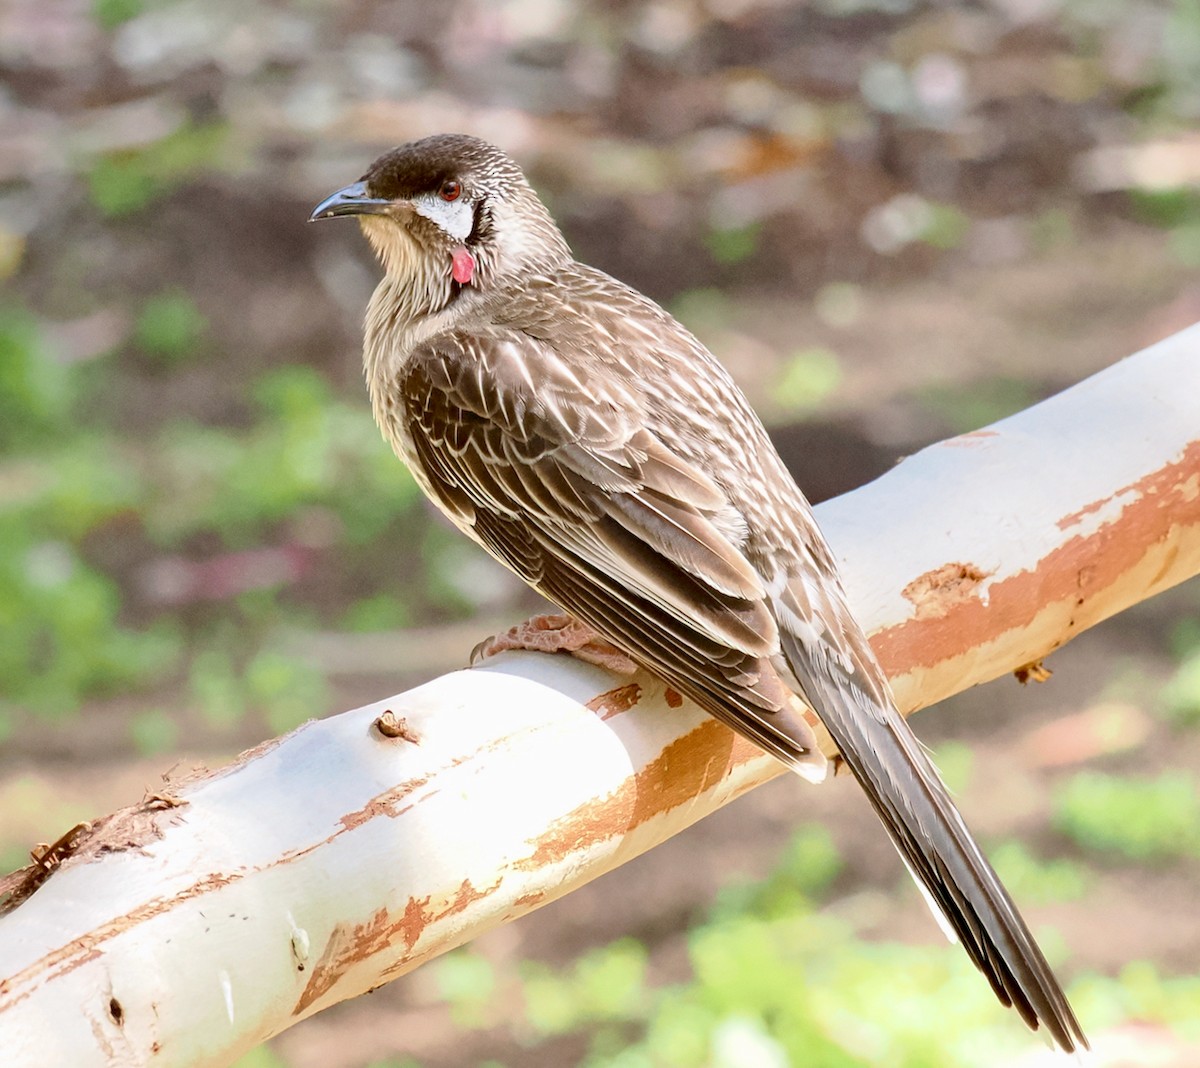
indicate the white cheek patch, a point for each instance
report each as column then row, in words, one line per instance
column 455, row 217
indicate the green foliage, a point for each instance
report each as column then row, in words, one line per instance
column 808, row 378
column 805, row 870
column 811, row 861
column 153, row 731
column 1167, row 208
column 703, row 311
column 1180, row 697
column 798, row 990
column 118, row 185
column 1033, row 881
column 169, row 326
column 947, row 227
column 1139, row 993
column 216, row 688
column 125, row 182
column 384, row 611
column 445, row 561
column 287, row 689
column 956, row 764
column 1144, row 820
column 109, row 14
column 1181, row 55
column 12, row 252
column 468, row 982
column 37, row 392
column 775, row 983
column 1185, row 637
column 226, row 683
column 60, row 638
column 981, row 403
column 1185, row 243
column 605, row 985
column 1177, row 211
column 734, row 246
column 85, row 482
column 308, row 458
column 12, row 857
column 307, row 449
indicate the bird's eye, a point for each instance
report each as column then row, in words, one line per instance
column 450, row 190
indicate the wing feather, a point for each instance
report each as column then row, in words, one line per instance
column 606, row 521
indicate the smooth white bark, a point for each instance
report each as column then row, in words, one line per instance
column 317, row 867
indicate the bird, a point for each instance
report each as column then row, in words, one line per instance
column 589, row 442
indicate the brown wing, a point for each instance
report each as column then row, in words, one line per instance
column 563, row 486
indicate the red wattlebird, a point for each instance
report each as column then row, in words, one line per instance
column 591, row 444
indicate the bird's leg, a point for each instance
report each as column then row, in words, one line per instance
column 557, row 633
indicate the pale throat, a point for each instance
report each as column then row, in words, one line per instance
column 399, row 252
column 417, row 281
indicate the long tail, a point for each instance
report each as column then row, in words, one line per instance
column 926, row 827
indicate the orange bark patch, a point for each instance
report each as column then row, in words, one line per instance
column 687, row 767
column 673, row 697
column 935, row 592
column 614, row 702
column 1074, row 573
column 1075, row 518
column 350, row 943
column 467, row 894
column 591, row 822
column 384, row 804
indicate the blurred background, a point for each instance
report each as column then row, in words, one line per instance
column 893, row 220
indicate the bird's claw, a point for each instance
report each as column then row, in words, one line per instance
column 557, row 633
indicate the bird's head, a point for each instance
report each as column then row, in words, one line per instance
column 447, row 213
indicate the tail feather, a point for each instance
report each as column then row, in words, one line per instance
column 925, row 826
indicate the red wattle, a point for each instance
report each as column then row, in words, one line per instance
column 462, row 266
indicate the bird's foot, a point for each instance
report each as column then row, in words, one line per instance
column 557, row 633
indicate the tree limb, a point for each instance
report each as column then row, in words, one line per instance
column 189, row 928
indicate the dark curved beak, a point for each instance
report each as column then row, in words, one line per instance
column 353, row 200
